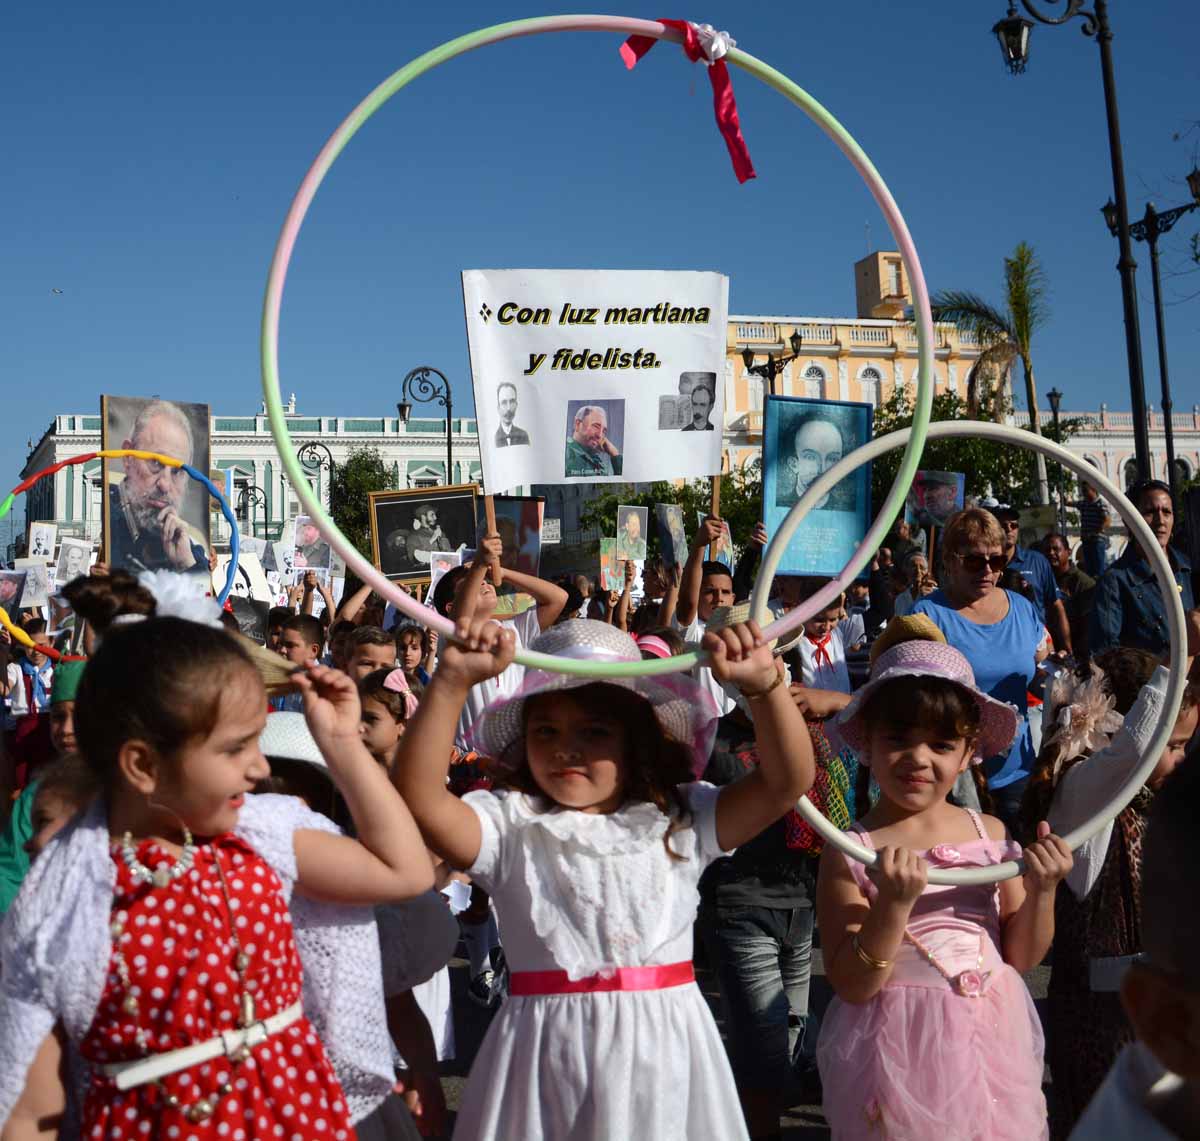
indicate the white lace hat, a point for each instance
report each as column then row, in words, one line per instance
column 287, row 737
column 685, row 712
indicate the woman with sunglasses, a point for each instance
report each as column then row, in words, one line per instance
column 997, row 631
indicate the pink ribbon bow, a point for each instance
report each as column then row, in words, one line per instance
column 398, row 683
column 724, row 104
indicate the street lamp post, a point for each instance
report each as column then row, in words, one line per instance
column 314, row 455
column 1055, row 398
column 252, row 496
column 1013, row 33
column 1148, row 230
column 774, row 365
column 420, row 386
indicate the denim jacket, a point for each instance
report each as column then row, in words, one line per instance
column 1128, row 608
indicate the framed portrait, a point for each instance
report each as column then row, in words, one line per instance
column 312, row 552
column 933, row 497
column 672, row 540
column 519, row 523
column 633, row 527
column 251, row 615
column 155, row 517
column 803, row 439
column 38, row 588
column 12, row 583
column 42, row 540
column 74, row 559
column 409, row 527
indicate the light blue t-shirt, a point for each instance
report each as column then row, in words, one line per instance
column 1002, row 656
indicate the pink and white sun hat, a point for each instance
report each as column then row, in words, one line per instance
column 998, row 721
column 685, row 712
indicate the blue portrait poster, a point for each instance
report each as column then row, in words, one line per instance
column 802, row 439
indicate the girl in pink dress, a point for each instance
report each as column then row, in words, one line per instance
column 932, row 1034
column 155, row 927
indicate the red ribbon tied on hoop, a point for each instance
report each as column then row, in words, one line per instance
column 702, row 43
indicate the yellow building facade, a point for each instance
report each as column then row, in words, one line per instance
column 862, row 358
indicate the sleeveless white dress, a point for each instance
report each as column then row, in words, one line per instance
column 584, row 894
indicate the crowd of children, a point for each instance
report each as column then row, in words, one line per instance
column 233, row 875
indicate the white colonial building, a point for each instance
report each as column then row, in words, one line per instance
column 242, row 446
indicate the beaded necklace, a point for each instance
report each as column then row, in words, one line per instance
column 204, row 1107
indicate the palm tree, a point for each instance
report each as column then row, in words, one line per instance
column 1008, row 331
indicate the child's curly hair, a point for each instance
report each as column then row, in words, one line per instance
column 655, row 763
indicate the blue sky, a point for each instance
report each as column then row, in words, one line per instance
column 152, row 150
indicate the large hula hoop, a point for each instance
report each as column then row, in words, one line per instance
column 273, row 300
column 112, row 454
column 1140, row 533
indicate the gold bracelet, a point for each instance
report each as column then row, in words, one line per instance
column 870, row 960
column 759, row 694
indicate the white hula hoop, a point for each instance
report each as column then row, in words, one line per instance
column 1140, row 533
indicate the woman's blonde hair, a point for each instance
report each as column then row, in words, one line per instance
column 966, row 527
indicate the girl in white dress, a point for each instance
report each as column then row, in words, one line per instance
column 592, row 858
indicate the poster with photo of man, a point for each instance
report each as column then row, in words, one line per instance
column 596, row 374
column 12, row 583
column 672, row 539
column 155, row 516
column 42, row 539
column 409, row 527
column 38, row 587
column 311, row 551
column 74, row 559
column 802, row 439
column 933, row 496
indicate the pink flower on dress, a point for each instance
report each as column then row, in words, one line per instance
column 945, row 853
column 970, row 984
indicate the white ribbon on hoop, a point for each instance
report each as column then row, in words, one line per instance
column 715, row 44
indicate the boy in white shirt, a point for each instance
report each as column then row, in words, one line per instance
column 704, row 586
column 823, row 651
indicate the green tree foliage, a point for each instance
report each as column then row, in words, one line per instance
column 350, row 484
column 741, row 504
column 1008, row 473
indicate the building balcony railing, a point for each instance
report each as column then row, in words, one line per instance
column 870, row 335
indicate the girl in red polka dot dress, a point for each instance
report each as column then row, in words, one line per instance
column 155, row 927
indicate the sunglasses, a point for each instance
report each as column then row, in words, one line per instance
column 976, row 563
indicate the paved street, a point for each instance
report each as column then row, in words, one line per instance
column 802, row 1121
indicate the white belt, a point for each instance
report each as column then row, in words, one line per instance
column 1105, row 974
column 128, row 1075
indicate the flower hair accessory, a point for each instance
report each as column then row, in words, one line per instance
column 1083, row 716
column 396, row 682
column 181, row 596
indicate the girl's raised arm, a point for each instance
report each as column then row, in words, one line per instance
column 786, row 770
column 388, row 861
column 482, row 649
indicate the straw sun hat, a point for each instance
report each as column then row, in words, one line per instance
column 684, row 710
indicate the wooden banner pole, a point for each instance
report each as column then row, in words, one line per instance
column 714, row 508
column 489, row 511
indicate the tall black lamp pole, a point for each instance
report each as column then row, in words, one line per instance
column 1013, row 33
column 419, row 385
column 1055, row 398
column 773, row 365
column 1147, row 230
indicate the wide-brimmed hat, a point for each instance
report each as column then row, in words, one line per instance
column 685, row 712
column 998, row 721
column 288, row 737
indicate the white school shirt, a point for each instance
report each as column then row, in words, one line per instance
column 526, row 627
column 18, row 700
column 1091, row 783
column 1119, row 1106
column 834, row 674
column 725, row 701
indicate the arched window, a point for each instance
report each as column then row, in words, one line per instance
column 870, row 380
column 814, row 382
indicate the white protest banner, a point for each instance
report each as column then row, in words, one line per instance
column 596, row 375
